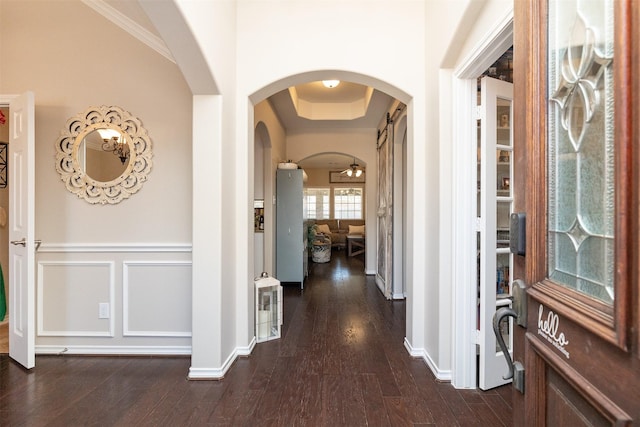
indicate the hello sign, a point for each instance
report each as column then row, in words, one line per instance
column 549, row 329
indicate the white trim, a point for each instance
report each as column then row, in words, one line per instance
column 114, row 350
column 40, row 300
column 219, row 373
column 399, row 295
column 464, row 296
column 114, row 247
column 488, row 49
column 131, row 27
column 246, row 351
column 5, row 100
column 126, row 332
column 464, row 301
column 441, row 375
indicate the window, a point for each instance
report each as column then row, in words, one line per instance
column 347, row 203
column 316, row 201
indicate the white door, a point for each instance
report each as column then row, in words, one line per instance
column 495, row 174
column 21, row 230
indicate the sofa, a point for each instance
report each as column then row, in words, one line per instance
column 339, row 228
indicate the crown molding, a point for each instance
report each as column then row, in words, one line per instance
column 130, row 26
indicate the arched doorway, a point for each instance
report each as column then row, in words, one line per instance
column 297, row 146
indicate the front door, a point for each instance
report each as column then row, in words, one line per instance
column 21, row 229
column 576, row 135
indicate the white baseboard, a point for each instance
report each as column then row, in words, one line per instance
column 246, row 351
column 114, row 350
column 399, row 295
column 441, row 375
column 194, row 373
column 219, row 373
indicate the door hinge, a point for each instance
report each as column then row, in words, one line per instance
column 478, row 112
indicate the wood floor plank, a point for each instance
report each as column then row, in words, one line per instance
column 499, row 406
column 373, row 401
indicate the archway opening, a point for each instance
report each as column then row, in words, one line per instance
column 357, row 142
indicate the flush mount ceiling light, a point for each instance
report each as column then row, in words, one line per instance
column 353, row 170
column 330, row 83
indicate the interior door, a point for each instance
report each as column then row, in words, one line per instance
column 21, row 230
column 495, row 200
column 576, row 128
column 384, row 271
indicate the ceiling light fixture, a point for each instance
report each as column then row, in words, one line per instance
column 330, row 83
column 354, row 169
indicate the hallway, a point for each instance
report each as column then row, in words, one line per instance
column 340, row 362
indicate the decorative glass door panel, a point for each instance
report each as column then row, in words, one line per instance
column 580, row 153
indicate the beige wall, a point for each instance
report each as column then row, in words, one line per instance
column 73, row 58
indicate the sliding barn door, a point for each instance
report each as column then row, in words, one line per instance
column 384, row 272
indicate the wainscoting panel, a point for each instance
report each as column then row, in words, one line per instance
column 115, row 298
column 69, row 298
column 157, row 298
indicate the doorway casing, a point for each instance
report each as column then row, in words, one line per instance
column 464, row 300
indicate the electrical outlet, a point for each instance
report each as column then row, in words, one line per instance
column 103, row 310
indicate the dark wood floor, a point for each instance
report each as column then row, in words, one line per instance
column 340, row 362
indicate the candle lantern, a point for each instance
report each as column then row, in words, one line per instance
column 268, row 308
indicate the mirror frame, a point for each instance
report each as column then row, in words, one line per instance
column 74, row 176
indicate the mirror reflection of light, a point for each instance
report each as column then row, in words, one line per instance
column 115, row 143
column 107, row 133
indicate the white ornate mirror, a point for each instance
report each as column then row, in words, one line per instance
column 103, row 155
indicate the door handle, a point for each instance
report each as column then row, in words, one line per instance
column 23, row 243
column 516, row 370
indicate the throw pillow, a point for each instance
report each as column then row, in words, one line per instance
column 324, row 228
column 356, row 229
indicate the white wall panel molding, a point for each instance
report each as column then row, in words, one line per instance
column 124, row 350
column 156, row 298
column 441, row 374
column 115, row 247
column 71, row 292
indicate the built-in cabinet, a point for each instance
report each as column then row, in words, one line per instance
column 291, row 242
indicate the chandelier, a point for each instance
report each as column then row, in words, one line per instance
column 115, row 143
column 353, row 169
